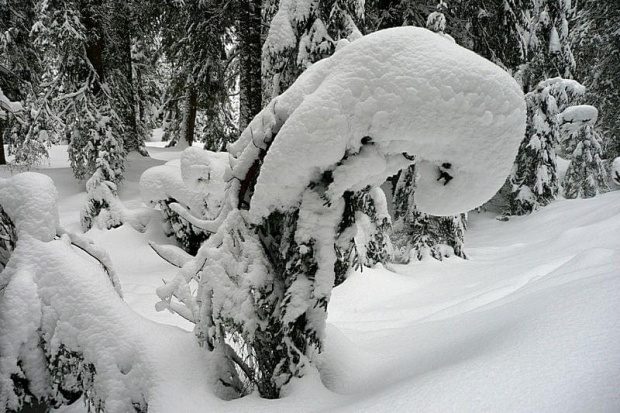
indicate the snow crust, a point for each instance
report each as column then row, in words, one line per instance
column 30, row 200
column 411, row 91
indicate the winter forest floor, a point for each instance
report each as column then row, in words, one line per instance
column 530, row 322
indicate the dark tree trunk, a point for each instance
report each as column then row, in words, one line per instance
column 2, row 158
column 249, row 29
column 133, row 141
column 191, row 102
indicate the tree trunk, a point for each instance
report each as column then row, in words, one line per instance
column 133, row 141
column 249, row 29
column 191, row 106
column 2, row 158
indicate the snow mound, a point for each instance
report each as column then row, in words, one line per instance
column 30, row 199
column 574, row 116
column 203, row 172
column 402, row 90
column 164, row 182
column 51, row 291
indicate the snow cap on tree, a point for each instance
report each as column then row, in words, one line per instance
column 461, row 115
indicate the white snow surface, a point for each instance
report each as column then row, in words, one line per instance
column 30, row 201
column 529, row 323
column 573, row 117
column 411, row 91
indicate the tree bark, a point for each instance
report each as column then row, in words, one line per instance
column 2, row 157
column 191, row 107
column 249, row 29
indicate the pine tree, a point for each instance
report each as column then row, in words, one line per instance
column 549, row 50
column 417, row 235
column 596, row 41
column 22, row 76
column 586, row 175
column 301, row 33
column 533, row 181
column 195, row 35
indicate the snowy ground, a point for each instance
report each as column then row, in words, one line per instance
column 531, row 322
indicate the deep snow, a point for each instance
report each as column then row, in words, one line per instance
column 529, row 323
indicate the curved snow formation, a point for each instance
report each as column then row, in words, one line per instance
column 401, row 90
column 30, row 199
column 574, row 117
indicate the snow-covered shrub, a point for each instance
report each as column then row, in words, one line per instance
column 586, row 175
column 417, row 235
column 195, row 185
column 54, row 305
column 533, row 180
column 266, row 273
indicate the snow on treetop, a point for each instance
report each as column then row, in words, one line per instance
column 402, row 90
column 30, row 199
column 579, row 114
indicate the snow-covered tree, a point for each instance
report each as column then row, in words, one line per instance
column 549, row 52
column 533, row 181
column 303, row 32
column 596, row 41
column 266, row 272
column 417, row 235
column 195, row 36
column 586, row 175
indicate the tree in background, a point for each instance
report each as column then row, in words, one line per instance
column 586, row 175
column 596, row 41
column 533, row 180
column 417, row 235
column 303, row 32
column 195, row 39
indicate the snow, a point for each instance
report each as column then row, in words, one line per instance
column 573, row 117
column 30, row 201
column 411, row 91
column 528, row 323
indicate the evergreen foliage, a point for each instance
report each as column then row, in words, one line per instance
column 533, row 180
column 303, row 32
column 586, row 175
column 596, row 41
column 417, row 235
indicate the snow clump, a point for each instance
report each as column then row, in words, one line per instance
column 402, row 90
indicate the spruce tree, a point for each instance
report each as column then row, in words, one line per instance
column 586, row 175
column 417, row 235
column 596, row 42
column 533, row 182
column 195, row 35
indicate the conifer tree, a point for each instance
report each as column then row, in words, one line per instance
column 586, row 175
column 417, row 235
column 596, row 42
column 301, row 33
column 194, row 38
column 533, row 182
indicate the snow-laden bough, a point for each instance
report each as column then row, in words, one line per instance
column 409, row 91
column 350, row 121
